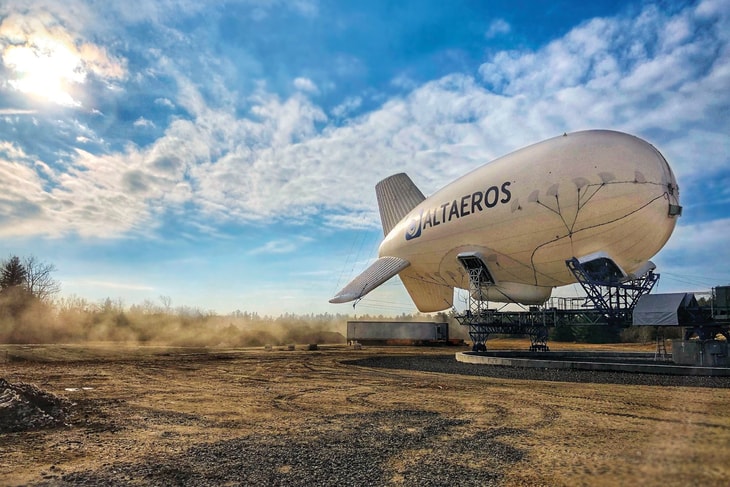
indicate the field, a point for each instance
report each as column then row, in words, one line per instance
column 180, row 416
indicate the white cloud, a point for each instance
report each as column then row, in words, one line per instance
column 281, row 246
column 143, row 122
column 497, row 28
column 306, row 85
column 112, row 285
column 23, row 201
column 346, row 107
column 352, row 221
column 698, row 151
column 16, row 111
column 164, row 102
column 696, row 255
column 405, row 82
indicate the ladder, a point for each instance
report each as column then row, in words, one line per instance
column 661, row 345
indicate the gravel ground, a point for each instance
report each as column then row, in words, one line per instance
column 342, row 417
column 449, row 365
column 358, row 451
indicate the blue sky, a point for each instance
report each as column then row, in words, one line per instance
column 224, row 154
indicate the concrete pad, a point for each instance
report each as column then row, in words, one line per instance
column 596, row 361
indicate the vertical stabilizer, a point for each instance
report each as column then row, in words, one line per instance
column 397, row 196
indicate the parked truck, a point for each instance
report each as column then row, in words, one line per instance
column 399, row 333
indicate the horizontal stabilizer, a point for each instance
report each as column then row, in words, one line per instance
column 380, row 271
column 397, row 196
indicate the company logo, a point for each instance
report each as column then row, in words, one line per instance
column 414, row 227
column 458, row 208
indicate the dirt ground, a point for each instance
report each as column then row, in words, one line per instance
column 160, row 416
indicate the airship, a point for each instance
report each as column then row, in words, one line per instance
column 606, row 198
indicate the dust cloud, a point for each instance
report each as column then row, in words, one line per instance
column 75, row 320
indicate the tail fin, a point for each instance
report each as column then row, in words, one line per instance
column 397, row 196
column 428, row 296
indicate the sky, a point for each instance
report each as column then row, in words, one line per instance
column 224, row 154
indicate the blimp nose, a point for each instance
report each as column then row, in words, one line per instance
column 675, row 209
column 672, row 188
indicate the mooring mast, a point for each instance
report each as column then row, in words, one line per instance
column 610, row 301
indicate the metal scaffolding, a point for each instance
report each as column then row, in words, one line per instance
column 616, row 299
column 608, row 302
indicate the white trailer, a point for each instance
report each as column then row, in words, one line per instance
column 397, row 332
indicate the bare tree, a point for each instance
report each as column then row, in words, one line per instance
column 38, row 279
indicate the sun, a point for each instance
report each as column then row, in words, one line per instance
column 45, row 68
column 46, row 61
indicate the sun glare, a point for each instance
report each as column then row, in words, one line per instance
column 47, row 62
column 46, row 69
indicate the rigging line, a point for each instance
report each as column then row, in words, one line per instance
column 557, row 212
column 386, row 306
column 687, row 280
column 600, row 186
column 582, row 205
column 362, row 239
column 429, row 281
column 546, row 206
column 510, row 303
column 385, row 300
column 371, row 305
column 512, row 300
column 697, row 276
column 603, row 184
column 663, row 195
column 377, row 306
column 627, row 181
column 344, row 266
column 532, row 257
column 560, row 214
column 359, row 251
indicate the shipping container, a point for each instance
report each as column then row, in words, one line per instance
column 397, row 332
